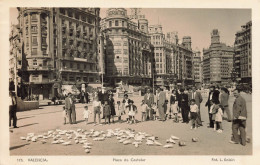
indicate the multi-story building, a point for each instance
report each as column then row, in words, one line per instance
column 163, row 53
column 61, row 46
column 217, row 61
column 185, row 66
column 243, row 54
column 197, row 67
column 15, row 57
column 128, row 54
column 15, row 60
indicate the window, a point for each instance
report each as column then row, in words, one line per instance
column 76, row 16
column 34, row 18
column 71, row 78
column 91, row 79
column 71, row 65
column 78, row 66
column 62, row 11
column 34, row 51
column 35, row 62
column 123, row 23
column 54, row 19
column 45, row 76
column 70, row 14
column 45, row 63
column 34, row 28
column 34, row 40
column 116, row 23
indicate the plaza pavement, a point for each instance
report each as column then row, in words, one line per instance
column 50, row 118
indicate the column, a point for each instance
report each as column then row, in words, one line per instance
column 39, row 37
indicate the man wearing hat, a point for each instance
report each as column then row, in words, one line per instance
column 183, row 103
column 70, row 108
column 161, row 103
column 213, row 96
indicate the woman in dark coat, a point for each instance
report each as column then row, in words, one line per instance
column 111, row 103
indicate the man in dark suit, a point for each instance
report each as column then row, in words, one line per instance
column 12, row 109
column 70, row 108
column 196, row 95
column 183, row 103
column 213, row 96
column 149, row 100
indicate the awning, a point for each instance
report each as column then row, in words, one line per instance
column 95, row 85
column 70, row 89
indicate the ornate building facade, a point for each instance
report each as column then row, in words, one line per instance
column 128, row 53
column 197, row 67
column 61, row 46
column 163, row 54
column 243, row 54
column 217, row 61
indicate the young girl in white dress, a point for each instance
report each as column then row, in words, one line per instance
column 218, row 120
column 132, row 110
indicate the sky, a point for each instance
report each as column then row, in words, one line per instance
column 197, row 23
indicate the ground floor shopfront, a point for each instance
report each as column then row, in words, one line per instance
column 116, row 81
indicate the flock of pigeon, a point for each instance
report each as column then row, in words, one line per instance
column 81, row 136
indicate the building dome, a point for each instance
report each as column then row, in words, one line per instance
column 117, row 12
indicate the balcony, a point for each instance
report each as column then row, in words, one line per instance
column 44, row 32
column 64, row 38
column 71, row 28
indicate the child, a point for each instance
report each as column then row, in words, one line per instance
column 120, row 111
column 174, row 105
column 86, row 114
column 167, row 110
column 213, row 110
column 96, row 108
column 64, row 114
column 194, row 109
column 132, row 110
column 106, row 112
column 218, row 119
column 154, row 110
column 144, row 108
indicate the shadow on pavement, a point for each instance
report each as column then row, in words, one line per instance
column 25, row 117
column 15, row 147
column 28, row 125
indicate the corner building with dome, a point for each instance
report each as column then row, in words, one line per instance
column 128, row 50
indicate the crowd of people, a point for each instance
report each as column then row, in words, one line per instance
column 180, row 105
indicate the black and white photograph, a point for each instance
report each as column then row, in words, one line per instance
column 128, row 81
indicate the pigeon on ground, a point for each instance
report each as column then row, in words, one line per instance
column 23, row 138
column 87, row 150
column 168, row 146
column 55, row 142
column 86, row 147
column 181, row 143
column 157, row 143
column 27, row 138
column 34, row 139
column 174, row 137
column 67, row 143
column 149, row 143
column 127, row 142
column 99, row 139
column 43, row 141
column 40, row 136
column 194, row 139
